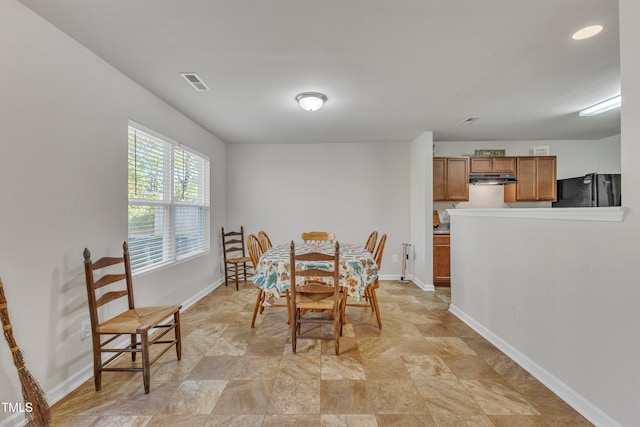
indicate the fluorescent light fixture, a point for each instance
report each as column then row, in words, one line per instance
column 603, row 106
column 587, row 32
column 311, row 101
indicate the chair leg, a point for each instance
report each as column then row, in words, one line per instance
column 294, row 331
column 336, row 331
column 288, row 298
column 374, row 304
column 226, row 274
column 236, row 265
column 97, row 363
column 176, row 319
column 133, row 347
column 257, row 307
column 144, row 347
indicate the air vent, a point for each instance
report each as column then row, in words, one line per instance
column 195, row 81
column 468, row 121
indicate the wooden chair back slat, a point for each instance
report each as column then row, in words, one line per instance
column 264, row 240
column 254, row 248
column 379, row 250
column 314, row 256
column 318, row 236
column 108, row 279
column 106, row 262
column 314, row 272
column 371, row 241
column 110, row 296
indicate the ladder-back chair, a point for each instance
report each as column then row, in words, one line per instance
column 370, row 295
column 255, row 251
column 136, row 322
column 316, row 301
column 235, row 259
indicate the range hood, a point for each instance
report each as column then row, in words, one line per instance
column 492, row 178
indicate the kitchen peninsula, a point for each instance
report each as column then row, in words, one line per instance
column 522, row 279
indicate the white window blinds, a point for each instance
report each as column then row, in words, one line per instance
column 168, row 200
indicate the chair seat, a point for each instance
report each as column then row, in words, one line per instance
column 136, row 319
column 315, row 301
column 239, row 260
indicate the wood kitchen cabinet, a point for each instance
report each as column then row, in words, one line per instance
column 450, row 179
column 441, row 259
column 493, row 164
column 536, row 178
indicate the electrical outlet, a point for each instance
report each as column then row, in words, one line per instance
column 395, row 258
column 519, row 316
column 85, row 330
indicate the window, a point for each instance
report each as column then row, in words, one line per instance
column 168, row 200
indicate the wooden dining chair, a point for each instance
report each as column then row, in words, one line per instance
column 236, row 263
column 265, row 241
column 371, row 298
column 316, row 301
column 136, row 322
column 318, row 236
column 255, row 250
column 371, row 241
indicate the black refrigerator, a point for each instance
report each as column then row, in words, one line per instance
column 591, row 190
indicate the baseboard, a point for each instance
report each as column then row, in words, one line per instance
column 76, row 380
column 197, row 297
column 423, row 286
column 587, row 409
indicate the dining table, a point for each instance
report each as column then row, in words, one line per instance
column 358, row 268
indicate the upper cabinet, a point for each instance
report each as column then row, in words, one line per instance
column 450, row 179
column 536, row 178
column 493, row 164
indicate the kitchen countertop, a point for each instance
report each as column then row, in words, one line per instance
column 440, row 230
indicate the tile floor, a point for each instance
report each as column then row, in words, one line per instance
column 424, row 368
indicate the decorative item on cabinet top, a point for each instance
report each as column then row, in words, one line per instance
column 490, row 153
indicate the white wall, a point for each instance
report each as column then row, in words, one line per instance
column 281, row 188
column 574, row 157
column 63, row 167
column 575, row 281
column 421, row 210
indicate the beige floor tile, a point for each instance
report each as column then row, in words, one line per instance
column 397, row 397
column 345, row 397
column 422, row 367
column 194, row 397
column 447, row 397
column 496, row 398
column 294, row 397
column 244, row 397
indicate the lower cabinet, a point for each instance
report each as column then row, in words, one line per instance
column 441, row 260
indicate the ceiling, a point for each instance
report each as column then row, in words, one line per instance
column 390, row 69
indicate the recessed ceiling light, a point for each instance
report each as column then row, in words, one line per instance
column 311, row 101
column 587, row 32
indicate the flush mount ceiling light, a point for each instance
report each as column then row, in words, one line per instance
column 311, row 101
column 587, row 32
column 603, row 106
